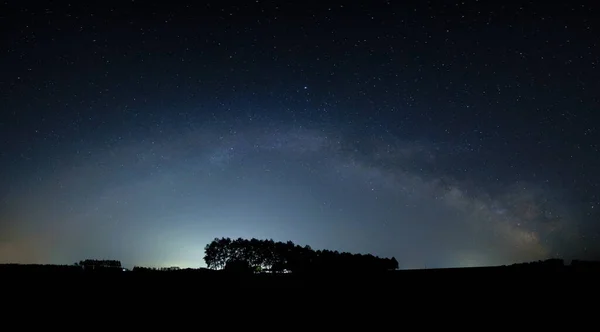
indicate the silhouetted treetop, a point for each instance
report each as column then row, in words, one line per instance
column 279, row 257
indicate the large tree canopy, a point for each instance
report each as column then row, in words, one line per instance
column 280, row 256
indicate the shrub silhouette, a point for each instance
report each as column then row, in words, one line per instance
column 238, row 266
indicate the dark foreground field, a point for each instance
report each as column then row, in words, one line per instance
column 374, row 296
column 204, row 280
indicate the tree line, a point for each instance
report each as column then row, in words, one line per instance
column 99, row 264
column 268, row 255
column 147, row 269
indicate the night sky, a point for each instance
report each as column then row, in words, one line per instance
column 445, row 135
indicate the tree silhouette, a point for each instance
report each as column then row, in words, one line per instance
column 243, row 255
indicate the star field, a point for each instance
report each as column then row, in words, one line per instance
column 442, row 134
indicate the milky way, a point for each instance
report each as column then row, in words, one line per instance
column 159, row 202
